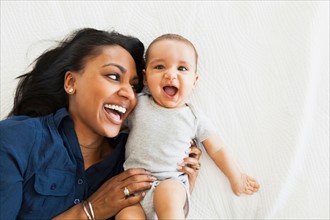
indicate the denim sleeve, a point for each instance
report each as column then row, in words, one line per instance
column 10, row 185
column 13, row 163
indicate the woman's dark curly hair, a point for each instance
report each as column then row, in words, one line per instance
column 41, row 91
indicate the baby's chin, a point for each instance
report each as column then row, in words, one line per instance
column 171, row 104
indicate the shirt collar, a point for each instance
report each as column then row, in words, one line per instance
column 60, row 115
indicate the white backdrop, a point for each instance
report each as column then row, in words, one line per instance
column 264, row 80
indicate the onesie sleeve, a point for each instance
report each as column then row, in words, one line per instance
column 204, row 127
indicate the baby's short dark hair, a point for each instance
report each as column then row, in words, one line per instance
column 171, row 36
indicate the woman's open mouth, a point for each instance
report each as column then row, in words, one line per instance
column 115, row 112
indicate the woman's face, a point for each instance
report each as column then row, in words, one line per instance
column 103, row 92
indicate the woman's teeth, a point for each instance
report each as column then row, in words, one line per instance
column 116, row 107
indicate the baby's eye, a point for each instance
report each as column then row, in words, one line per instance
column 114, row 76
column 159, row 67
column 182, row 68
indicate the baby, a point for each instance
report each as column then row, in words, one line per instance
column 162, row 126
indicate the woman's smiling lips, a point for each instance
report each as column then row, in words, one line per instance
column 115, row 113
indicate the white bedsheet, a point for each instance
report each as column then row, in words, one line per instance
column 264, row 80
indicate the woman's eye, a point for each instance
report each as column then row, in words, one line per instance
column 114, row 76
column 182, row 68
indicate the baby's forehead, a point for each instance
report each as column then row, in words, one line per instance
column 167, row 44
column 170, row 41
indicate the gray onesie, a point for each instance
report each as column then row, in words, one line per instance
column 159, row 138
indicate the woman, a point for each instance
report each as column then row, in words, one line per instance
column 61, row 149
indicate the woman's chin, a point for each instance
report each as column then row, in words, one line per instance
column 112, row 131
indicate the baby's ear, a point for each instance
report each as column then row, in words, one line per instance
column 196, row 78
column 144, row 77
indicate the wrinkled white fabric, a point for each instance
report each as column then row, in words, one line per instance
column 263, row 80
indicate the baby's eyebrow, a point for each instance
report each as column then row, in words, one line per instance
column 155, row 61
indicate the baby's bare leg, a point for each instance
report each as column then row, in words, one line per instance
column 131, row 212
column 169, row 200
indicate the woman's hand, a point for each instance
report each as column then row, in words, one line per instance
column 110, row 198
column 190, row 165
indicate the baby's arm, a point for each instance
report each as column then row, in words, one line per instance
column 240, row 182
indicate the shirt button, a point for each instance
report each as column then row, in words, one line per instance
column 53, row 186
column 76, row 201
column 80, row 181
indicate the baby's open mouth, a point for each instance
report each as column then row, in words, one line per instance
column 170, row 90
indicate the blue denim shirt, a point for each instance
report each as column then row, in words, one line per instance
column 42, row 169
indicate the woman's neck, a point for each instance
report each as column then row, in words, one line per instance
column 94, row 147
column 96, row 153
column 94, row 144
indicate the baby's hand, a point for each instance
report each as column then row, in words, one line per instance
column 246, row 185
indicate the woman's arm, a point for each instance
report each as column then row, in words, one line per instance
column 110, row 197
column 11, row 182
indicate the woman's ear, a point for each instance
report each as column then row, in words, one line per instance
column 69, row 83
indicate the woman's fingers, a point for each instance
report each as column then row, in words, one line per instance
column 139, row 179
column 132, row 172
column 135, row 180
column 135, row 188
column 131, row 200
column 121, row 191
column 190, row 163
column 190, row 166
column 194, row 151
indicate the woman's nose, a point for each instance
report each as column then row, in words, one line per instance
column 127, row 92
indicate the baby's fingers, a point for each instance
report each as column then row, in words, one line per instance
column 253, row 183
column 248, row 191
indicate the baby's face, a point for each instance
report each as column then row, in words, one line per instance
column 171, row 72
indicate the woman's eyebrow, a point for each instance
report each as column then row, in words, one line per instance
column 121, row 68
